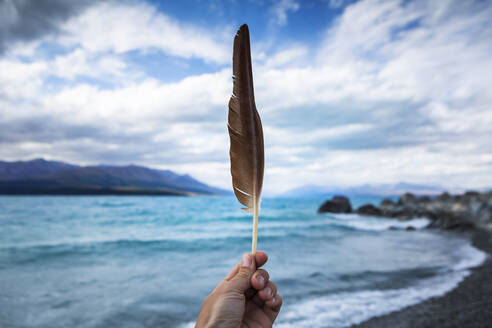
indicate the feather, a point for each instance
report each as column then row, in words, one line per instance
column 245, row 132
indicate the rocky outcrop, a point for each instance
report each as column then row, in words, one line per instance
column 338, row 204
column 446, row 211
column 369, row 209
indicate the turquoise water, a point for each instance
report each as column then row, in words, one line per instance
column 150, row 261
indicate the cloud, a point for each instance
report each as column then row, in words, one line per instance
column 19, row 79
column 23, row 21
column 413, row 75
column 106, row 26
column 120, row 28
column 281, row 8
column 394, row 91
column 288, row 57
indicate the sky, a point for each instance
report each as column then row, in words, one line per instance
column 349, row 92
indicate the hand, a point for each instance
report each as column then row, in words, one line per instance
column 245, row 298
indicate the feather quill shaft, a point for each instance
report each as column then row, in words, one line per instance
column 245, row 132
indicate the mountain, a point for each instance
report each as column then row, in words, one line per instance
column 30, row 169
column 363, row 190
column 49, row 177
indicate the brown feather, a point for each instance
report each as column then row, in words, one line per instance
column 245, row 131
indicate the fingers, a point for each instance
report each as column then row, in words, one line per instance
column 274, row 303
column 260, row 259
column 268, row 292
column 241, row 281
column 260, row 279
column 268, row 300
column 272, row 307
column 267, row 295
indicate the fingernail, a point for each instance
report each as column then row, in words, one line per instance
column 261, row 280
column 246, row 261
column 274, row 299
column 268, row 290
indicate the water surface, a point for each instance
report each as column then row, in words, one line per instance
column 149, row 261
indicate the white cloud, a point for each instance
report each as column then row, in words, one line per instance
column 287, row 57
column 81, row 63
column 119, row 28
column 20, row 81
column 281, row 8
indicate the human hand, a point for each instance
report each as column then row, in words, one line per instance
column 245, row 298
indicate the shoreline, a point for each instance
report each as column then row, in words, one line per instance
column 467, row 305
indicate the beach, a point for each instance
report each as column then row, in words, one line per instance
column 468, row 305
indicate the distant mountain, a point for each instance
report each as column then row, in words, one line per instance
column 364, row 190
column 48, row 177
column 31, row 169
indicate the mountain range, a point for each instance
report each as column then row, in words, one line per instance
column 40, row 176
column 364, row 190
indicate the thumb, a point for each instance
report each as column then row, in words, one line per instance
column 242, row 280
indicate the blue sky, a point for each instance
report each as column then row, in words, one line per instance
column 350, row 92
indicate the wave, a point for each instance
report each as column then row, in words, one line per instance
column 358, row 222
column 348, row 221
column 190, row 232
column 114, row 204
column 350, row 308
column 37, row 254
column 346, row 309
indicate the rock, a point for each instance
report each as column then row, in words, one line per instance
column 388, row 207
column 386, row 202
column 446, row 222
column 461, row 226
column 484, row 216
column 406, row 198
column 393, row 210
column 460, row 212
column 410, row 229
column 369, row 209
column 471, row 194
column 338, row 204
column 443, row 197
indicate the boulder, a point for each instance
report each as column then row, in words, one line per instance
column 369, row 209
column 444, row 197
column 338, row 204
column 448, row 222
column 406, row 199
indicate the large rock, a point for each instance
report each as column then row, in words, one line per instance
column 369, row 209
column 401, row 210
column 338, row 204
column 407, row 199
